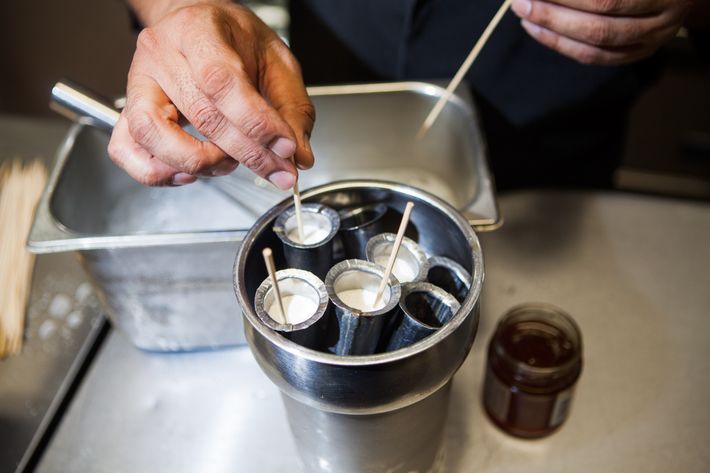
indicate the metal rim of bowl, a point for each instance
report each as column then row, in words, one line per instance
column 283, row 343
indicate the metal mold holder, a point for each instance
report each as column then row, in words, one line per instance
column 402, row 395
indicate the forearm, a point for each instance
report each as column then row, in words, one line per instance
column 151, row 11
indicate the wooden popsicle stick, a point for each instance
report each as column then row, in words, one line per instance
column 395, row 250
column 297, row 205
column 458, row 77
column 271, row 269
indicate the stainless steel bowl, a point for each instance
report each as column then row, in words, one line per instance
column 371, row 413
column 374, row 383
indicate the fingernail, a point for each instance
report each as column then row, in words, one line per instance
column 531, row 28
column 283, row 147
column 181, row 178
column 282, row 179
column 306, row 142
column 522, row 8
column 224, row 168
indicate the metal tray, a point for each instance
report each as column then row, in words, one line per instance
column 162, row 257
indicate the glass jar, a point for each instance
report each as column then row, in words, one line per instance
column 534, row 361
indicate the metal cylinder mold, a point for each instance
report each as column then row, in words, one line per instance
column 358, row 225
column 411, row 263
column 315, row 252
column 449, row 275
column 389, row 408
column 358, row 322
column 305, row 302
column 423, row 309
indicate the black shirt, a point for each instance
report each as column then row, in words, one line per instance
column 548, row 120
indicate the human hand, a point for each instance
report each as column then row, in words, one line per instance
column 230, row 76
column 602, row 31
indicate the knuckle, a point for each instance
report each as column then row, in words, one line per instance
column 206, row 118
column 284, row 55
column 307, row 109
column 147, row 39
column 198, row 164
column 215, row 80
column 115, row 151
column 256, row 126
column 609, row 6
column 142, row 127
column 194, row 165
column 588, row 56
column 600, row 33
column 255, row 160
column 185, row 14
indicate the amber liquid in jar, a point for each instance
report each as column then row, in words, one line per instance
column 534, row 361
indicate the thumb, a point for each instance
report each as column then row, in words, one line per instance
column 282, row 85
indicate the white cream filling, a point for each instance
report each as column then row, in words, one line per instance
column 316, row 227
column 298, row 309
column 361, row 299
column 357, row 290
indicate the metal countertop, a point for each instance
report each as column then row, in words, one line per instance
column 632, row 270
column 64, row 319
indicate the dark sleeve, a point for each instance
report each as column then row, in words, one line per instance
column 700, row 37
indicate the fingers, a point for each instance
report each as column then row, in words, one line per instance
column 582, row 52
column 589, row 28
column 139, row 163
column 220, row 98
column 209, row 64
column 600, row 31
column 617, row 7
column 213, row 124
column 153, row 124
column 282, row 84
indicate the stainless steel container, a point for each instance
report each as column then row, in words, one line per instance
column 161, row 257
column 375, row 413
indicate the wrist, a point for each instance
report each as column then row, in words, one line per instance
column 150, row 12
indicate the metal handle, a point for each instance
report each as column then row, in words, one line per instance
column 79, row 104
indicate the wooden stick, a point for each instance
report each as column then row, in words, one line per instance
column 458, row 77
column 297, row 205
column 395, row 250
column 20, row 189
column 271, row 268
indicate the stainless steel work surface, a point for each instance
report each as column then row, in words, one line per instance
column 63, row 320
column 632, row 270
